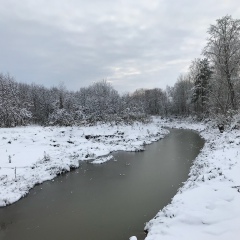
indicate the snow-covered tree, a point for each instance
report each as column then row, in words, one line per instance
column 12, row 111
column 100, row 101
column 181, row 96
column 201, row 73
column 223, row 50
column 156, row 102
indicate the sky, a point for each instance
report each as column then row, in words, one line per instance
column 130, row 43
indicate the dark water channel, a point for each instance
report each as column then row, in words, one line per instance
column 111, row 201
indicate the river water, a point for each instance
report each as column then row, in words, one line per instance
column 111, row 201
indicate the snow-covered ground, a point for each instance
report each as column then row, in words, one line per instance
column 33, row 154
column 208, row 205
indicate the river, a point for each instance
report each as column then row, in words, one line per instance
column 111, row 201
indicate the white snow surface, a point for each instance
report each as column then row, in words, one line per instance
column 37, row 154
column 208, row 205
column 133, row 238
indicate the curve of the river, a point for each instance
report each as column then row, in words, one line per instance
column 111, row 201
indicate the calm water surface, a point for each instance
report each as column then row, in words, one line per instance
column 111, row 201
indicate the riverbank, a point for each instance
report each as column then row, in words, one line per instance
column 207, row 206
column 33, row 154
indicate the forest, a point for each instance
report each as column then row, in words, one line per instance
column 209, row 90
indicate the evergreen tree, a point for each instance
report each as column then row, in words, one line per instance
column 201, row 87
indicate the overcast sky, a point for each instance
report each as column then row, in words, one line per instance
column 131, row 43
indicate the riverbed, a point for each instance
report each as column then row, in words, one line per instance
column 108, row 201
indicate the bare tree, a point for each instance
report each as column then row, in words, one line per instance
column 223, row 50
column 181, row 96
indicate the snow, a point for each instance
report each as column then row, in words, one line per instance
column 133, row 238
column 208, row 205
column 39, row 153
column 101, row 160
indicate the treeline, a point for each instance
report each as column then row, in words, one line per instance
column 210, row 89
column 21, row 104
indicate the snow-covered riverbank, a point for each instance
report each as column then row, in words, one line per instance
column 33, row 154
column 208, row 205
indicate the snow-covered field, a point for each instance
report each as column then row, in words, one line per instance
column 33, row 154
column 208, row 205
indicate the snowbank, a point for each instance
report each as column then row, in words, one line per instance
column 208, row 205
column 33, row 154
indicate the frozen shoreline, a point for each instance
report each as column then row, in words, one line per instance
column 207, row 206
column 41, row 153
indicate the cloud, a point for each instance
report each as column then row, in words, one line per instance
column 133, row 44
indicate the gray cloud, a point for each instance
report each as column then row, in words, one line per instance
column 133, row 44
